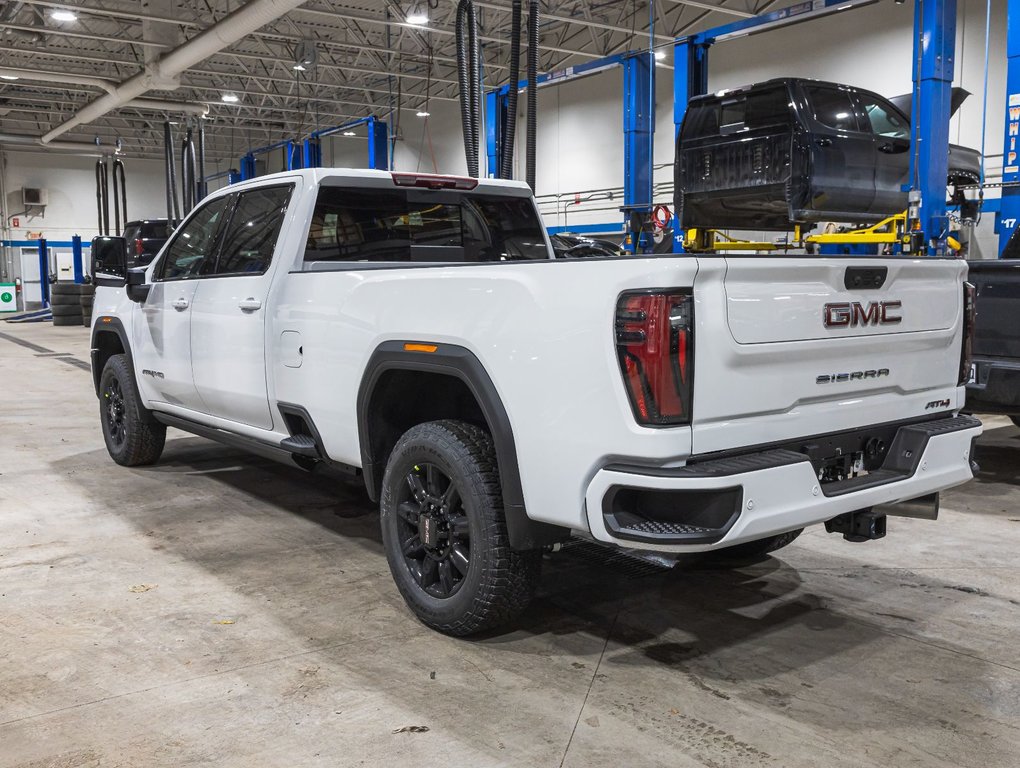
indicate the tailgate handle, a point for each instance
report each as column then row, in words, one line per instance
column 863, row 278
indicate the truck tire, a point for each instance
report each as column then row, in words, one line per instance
column 66, row 310
column 445, row 534
column 64, row 288
column 133, row 437
column 755, row 550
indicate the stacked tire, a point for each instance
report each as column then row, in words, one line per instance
column 71, row 303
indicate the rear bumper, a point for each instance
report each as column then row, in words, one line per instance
column 996, row 387
column 718, row 503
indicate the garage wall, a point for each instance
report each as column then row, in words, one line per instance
column 71, row 182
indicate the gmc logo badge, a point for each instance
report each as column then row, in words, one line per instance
column 850, row 314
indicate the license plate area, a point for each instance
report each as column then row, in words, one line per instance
column 840, row 457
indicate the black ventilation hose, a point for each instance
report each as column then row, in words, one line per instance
column 185, row 178
column 104, row 175
column 532, row 91
column 201, row 161
column 99, row 196
column 171, row 164
column 116, row 199
column 470, row 81
column 118, row 168
column 506, row 160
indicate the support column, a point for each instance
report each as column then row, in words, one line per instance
column 1009, row 210
column 44, row 273
column 934, row 60
column 76, row 259
column 378, row 145
column 638, row 133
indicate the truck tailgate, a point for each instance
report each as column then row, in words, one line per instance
column 800, row 353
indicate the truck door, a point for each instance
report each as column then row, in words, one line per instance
column 891, row 132
column 229, row 314
column 161, row 345
column 842, row 154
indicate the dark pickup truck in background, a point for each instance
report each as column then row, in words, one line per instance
column 995, row 367
column 797, row 151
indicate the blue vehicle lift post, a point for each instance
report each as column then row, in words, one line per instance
column 934, row 44
column 378, row 143
column 44, row 273
column 77, row 259
column 935, row 52
column 1009, row 206
column 638, row 122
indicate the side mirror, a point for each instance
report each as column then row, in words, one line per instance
column 137, row 288
column 109, row 261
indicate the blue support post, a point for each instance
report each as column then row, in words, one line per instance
column 495, row 105
column 76, row 257
column 935, row 50
column 312, row 153
column 233, row 176
column 44, row 273
column 248, row 167
column 378, row 145
column 1009, row 206
column 638, row 133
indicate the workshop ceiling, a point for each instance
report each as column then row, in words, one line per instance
column 369, row 60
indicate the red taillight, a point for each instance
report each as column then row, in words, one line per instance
column 432, row 181
column 655, row 345
column 969, row 315
column 138, row 247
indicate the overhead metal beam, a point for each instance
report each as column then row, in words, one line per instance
column 711, row 7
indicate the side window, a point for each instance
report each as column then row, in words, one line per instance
column 253, row 231
column 193, row 247
column 885, row 121
column 832, row 108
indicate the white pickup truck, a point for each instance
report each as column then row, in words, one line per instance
column 418, row 331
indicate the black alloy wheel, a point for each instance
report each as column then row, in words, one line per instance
column 113, row 411
column 434, row 532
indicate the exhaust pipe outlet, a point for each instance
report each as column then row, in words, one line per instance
column 921, row 508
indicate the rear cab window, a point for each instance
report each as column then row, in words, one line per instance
column 726, row 115
column 411, row 225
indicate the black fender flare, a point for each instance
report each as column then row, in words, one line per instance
column 107, row 324
column 461, row 363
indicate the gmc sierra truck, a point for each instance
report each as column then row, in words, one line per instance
column 418, row 331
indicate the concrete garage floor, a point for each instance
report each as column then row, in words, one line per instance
column 219, row 610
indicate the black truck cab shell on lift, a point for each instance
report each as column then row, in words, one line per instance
column 786, row 151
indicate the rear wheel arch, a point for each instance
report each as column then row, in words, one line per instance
column 401, row 389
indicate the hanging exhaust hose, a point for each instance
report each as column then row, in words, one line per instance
column 186, row 185
column 118, row 167
column 532, row 91
column 506, row 161
column 469, row 80
column 116, row 199
column 99, row 196
column 104, row 174
column 171, row 165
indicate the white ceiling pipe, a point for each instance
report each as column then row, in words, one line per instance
column 57, row 77
column 228, row 30
column 181, row 107
column 17, row 139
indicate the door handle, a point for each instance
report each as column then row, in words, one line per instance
column 181, row 304
column 887, row 148
column 250, row 304
column 823, row 142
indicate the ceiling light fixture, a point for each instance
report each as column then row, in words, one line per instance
column 230, row 98
column 305, row 56
column 9, row 77
column 423, row 113
column 417, row 16
column 660, row 55
column 59, row 14
column 349, row 133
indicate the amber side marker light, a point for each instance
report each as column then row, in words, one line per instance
column 420, row 347
column 107, row 320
